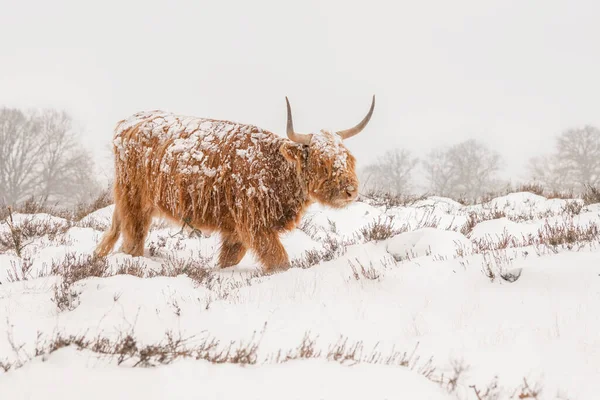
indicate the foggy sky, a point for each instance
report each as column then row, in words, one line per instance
column 510, row 73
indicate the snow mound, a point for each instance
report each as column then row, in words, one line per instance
column 43, row 220
column 426, row 242
column 100, row 218
column 444, row 204
column 430, row 292
column 496, row 229
column 91, row 378
column 525, row 203
column 341, row 222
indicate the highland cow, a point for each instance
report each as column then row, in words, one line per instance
column 245, row 183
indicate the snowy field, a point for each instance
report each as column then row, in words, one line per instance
column 432, row 300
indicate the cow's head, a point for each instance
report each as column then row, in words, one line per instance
column 324, row 162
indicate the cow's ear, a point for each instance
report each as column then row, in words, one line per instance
column 293, row 152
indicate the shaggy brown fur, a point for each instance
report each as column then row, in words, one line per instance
column 239, row 180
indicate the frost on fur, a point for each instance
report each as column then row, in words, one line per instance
column 240, row 180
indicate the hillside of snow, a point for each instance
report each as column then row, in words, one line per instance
column 430, row 300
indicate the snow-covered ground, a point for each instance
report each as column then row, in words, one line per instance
column 429, row 301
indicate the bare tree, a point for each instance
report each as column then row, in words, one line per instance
column 391, row 173
column 20, row 148
column 467, row 169
column 578, row 156
column 41, row 157
column 545, row 170
column 575, row 162
column 67, row 168
column 438, row 171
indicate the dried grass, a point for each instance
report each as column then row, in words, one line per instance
column 359, row 271
column 380, row 230
column 389, row 200
column 73, row 269
column 104, row 199
column 332, row 248
column 591, row 195
column 21, row 234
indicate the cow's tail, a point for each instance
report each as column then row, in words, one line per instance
column 111, row 236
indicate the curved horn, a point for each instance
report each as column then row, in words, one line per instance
column 296, row 137
column 345, row 134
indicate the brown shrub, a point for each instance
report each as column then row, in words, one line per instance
column 127, row 351
column 131, row 266
column 560, row 194
column 564, row 235
column 567, row 234
column 71, row 270
column 196, row 268
column 21, row 234
column 332, row 248
column 22, row 272
column 491, row 392
column 474, row 218
column 390, row 200
column 380, row 230
column 104, row 199
column 572, row 208
column 524, row 391
column 591, row 195
column 75, row 268
column 359, row 271
column 535, row 188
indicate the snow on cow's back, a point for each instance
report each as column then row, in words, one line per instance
column 166, row 125
column 187, row 137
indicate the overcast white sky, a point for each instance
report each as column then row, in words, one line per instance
column 512, row 73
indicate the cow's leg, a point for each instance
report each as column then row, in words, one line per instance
column 111, row 236
column 232, row 250
column 136, row 218
column 135, row 232
column 270, row 251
